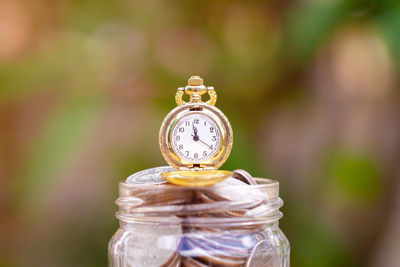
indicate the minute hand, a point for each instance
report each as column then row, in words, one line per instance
column 205, row 143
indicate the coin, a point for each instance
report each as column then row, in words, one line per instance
column 233, row 189
column 149, row 176
column 190, row 262
column 244, row 176
column 209, row 255
column 227, row 245
column 196, row 178
column 174, row 261
column 231, row 181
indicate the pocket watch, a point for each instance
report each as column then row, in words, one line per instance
column 195, row 137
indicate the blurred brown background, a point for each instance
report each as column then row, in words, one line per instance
column 310, row 87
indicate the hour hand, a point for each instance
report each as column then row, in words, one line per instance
column 195, row 136
column 194, row 130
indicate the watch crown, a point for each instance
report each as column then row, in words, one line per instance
column 195, row 81
column 195, row 89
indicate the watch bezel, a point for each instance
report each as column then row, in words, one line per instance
column 170, row 121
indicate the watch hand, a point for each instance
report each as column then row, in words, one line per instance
column 195, row 136
column 205, row 143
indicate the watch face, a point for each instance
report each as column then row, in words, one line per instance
column 196, row 137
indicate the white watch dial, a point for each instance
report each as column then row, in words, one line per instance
column 196, row 137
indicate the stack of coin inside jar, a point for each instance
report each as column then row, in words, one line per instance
column 232, row 223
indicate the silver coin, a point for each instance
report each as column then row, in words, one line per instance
column 244, row 176
column 235, row 190
column 209, row 255
column 149, row 176
column 224, row 245
column 231, row 181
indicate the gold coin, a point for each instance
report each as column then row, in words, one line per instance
column 196, row 178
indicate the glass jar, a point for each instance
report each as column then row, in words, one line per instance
column 228, row 224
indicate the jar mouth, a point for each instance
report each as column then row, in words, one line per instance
column 262, row 183
column 213, row 205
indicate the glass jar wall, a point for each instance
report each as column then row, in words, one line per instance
column 228, row 224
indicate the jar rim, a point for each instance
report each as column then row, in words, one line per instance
column 144, row 204
column 262, row 183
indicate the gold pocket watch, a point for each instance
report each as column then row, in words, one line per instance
column 196, row 137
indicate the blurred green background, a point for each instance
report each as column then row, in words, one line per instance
column 310, row 87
